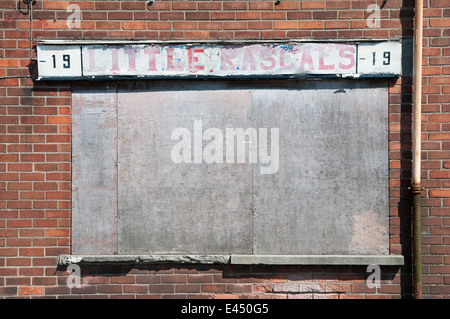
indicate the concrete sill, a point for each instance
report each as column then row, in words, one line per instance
column 235, row 259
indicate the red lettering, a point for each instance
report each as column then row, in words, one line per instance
column 267, row 55
column 92, row 66
column 248, row 60
column 227, row 56
column 322, row 65
column 347, row 52
column 131, row 58
column 171, row 66
column 193, row 65
column 306, row 60
column 152, row 58
column 115, row 60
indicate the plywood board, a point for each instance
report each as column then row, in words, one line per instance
column 168, row 207
column 94, row 169
column 330, row 195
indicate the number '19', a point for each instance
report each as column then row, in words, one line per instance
column 66, row 61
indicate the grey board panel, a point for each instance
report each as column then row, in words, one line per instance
column 330, row 195
column 94, row 169
column 167, row 207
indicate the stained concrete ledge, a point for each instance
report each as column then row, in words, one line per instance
column 381, row 260
column 143, row 259
column 318, row 260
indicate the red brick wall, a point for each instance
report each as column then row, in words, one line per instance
column 35, row 148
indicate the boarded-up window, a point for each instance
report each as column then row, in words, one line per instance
column 154, row 170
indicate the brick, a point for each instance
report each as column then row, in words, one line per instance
column 247, row 34
column 311, row 24
column 285, row 25
column 248, row 15
column 9, row 157
column 439, row 136
column 261, row 5
column 130, row 25
column 227, row 5
column 172, row 16
column 184, row 25
column 174, row 278
column 160, row 6
column 8, row 291
column 95, row 280
column 32, row 139
column 439, row 3
column 135, row 289
column 259, row 25
column 107, row 25
column 286, row 287
column 120, row 15
column 298, row 15
column 313, row 4
column 110, row 289
column 32, row 290
column 439, row 118
column 123, row 280
column 337, row 24
column 56, row 5
column 145, row 15
column 23, row 262
column 57, row 232
column 180, row 5
column 23, row 242
column 187, row 288
column 198, row 15
column 439, row 192
column 235, row 25
column 216, row 288
column 223, row 15
column 440, row 42
column 20, row 148
column 11, row 63
column 288, row 5
column 239, row 288
column 8, row 252
column 167, row 288
column 58, row 195
column 206, row 25
column 160, row 25
column 32, row 157
column 263, row 288
column 200, row 278
column 338, row 5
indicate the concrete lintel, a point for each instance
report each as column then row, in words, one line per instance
column 381, row 260
column 317, row 260
column 143, row 259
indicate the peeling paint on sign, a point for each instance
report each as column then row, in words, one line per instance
column 235, row 60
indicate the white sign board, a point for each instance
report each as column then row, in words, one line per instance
column 59, row 61
column 380, row 58
column 235, row 60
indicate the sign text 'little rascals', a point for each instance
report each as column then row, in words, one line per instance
column 151, row 60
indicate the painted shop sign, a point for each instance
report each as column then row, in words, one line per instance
column 376, row 59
